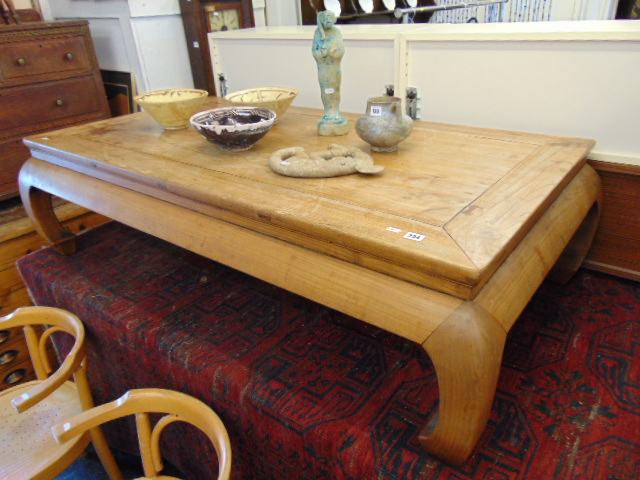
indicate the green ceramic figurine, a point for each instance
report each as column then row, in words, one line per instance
column 328, row 50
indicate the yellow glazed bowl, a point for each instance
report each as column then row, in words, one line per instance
column 277, row 99
column 172, row 108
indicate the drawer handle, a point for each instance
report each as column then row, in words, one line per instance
column 8, row 356
column 59, row 102
column 70, row 56
column 15, row 377
column 22, row 62
column 4, row 336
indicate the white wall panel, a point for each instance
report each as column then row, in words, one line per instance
column 142, row 8
column 88, row 8
column 145, row 37
column 114, row 48
column 163, row 52
column 283, row 12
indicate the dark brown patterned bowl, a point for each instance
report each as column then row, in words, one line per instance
column 234, row 129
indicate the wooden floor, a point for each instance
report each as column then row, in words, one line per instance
column 18, row 238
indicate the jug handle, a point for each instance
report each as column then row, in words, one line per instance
column 396, row 109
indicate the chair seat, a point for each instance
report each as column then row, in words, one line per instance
column 26, row 442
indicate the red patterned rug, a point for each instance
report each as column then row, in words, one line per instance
column 309, row 393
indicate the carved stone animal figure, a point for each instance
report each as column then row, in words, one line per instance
column 337, row 161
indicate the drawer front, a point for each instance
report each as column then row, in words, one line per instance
column 49, row 102
column 15, row 361
column 13, row 355
column 23, row 60
column 19, row 373
column 9, row 336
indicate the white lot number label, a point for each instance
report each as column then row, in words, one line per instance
column 414, row 236
column 376, row 111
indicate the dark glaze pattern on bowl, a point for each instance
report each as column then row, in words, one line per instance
column 234, row 129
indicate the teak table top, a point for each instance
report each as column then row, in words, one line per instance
column 473, row 193
column 445, row 247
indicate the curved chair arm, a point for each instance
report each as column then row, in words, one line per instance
column 63, row 320
column 45, row 388
column 184, row 407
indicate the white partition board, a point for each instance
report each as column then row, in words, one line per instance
column 368, row 65
column 575, row 88
column 561, row 78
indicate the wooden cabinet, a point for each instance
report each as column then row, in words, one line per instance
column 15, row 364
column 18, row 238
column 49, row 78
column 616, row 247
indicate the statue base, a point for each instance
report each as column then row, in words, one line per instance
column 333, row 128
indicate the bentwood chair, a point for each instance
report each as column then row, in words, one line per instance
column 174, row 405
column 28, row 449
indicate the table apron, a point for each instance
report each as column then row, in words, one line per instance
column 405, row 309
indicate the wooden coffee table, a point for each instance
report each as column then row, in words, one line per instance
column 444, row 248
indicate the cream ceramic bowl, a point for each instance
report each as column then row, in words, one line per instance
column 277, row 99
column 172, row 108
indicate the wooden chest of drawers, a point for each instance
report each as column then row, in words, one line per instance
column 49, row 78
column 15, row 363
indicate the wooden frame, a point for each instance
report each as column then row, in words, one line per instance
column 120, row 88
column 196, row 23
column 628, row 9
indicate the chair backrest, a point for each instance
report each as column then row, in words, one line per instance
column 54, row 320
column 175, row 405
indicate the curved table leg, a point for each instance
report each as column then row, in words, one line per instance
column 577, row 249
column 38, row 205
column 466, row 351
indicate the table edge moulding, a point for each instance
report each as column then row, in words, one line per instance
column 317, row 237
